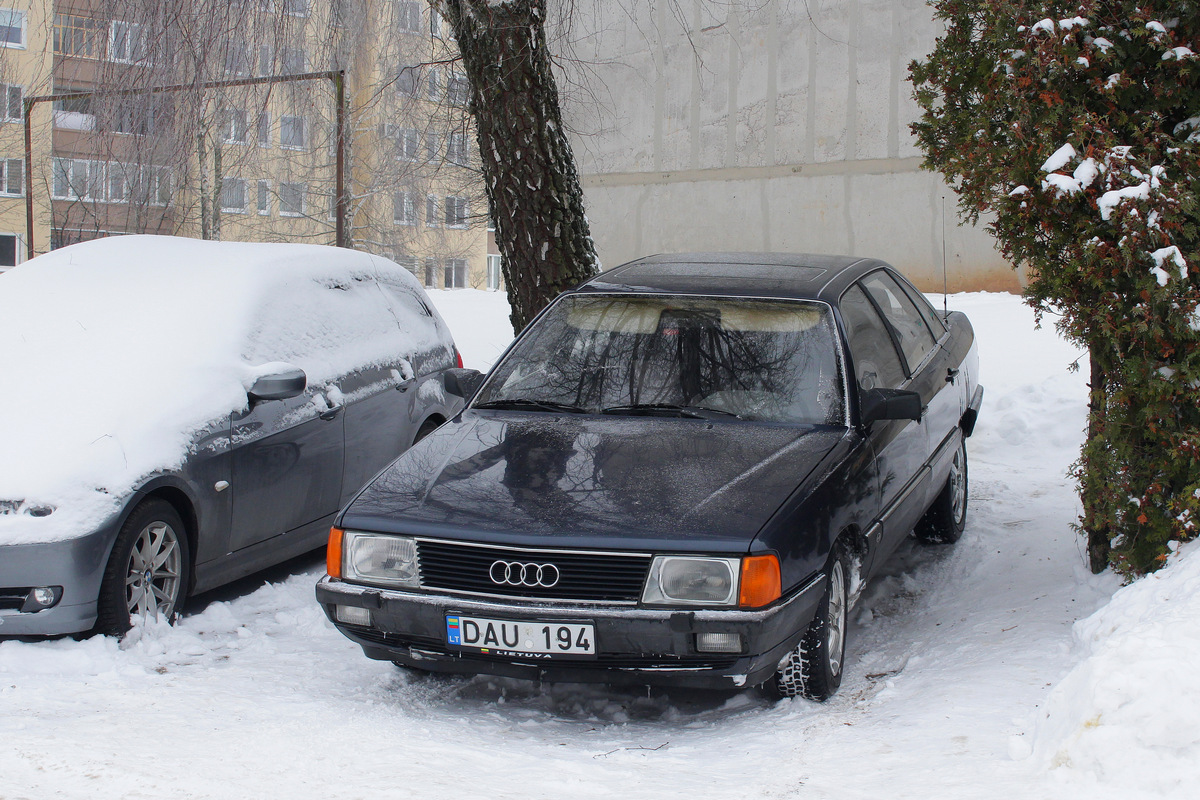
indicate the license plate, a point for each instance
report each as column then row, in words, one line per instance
column 543, row 639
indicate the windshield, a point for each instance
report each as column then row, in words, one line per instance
column 766, row 360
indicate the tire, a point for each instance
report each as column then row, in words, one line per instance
column 814, row 668
column 427, row 427
column 153, row 533
column 945, row 520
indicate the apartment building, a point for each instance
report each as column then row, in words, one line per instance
column 248, row 150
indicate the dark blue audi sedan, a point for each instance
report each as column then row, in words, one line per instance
column 681, row 473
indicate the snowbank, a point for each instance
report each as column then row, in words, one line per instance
column 115, row 353
column 1127, row 717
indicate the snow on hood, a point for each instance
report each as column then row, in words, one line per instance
column 1128, row 715
column 115, row 353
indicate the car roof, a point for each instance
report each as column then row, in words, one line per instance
column 791, row 275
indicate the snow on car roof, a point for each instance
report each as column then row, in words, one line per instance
column 114, row 353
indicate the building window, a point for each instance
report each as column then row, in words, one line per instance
column 78, row 36
column 12, row 177
column 14, row 108
column 408, row 16
column 494, row 272
column 456, row 273
column 456, row 149
column 297, row 8
column 408, row 78
column 456, row 212
column 128, row 42
column 233, row 195
column 431, row 209
column 457, row 90
column 435, row 23
column 266, row 60
column 293, row 132
column 237, row 59
column 264, row 198
column 404, row 210
column 431, row 271
column 234, row 126
column 12, row 28
column 408, row 146
column 78, row 179
column 133, row 115
column 293, row 60
column 118, row 183
column 291, row 199
column 431, row 147
column 433, row 84
column 153, row 186
column 264, row 129
column 8, row 250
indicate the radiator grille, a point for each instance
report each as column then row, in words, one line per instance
column 582, row 576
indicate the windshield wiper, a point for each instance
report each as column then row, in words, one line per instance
column 527, row 403
column 692, row 412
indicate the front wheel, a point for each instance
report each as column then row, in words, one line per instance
column 147, row 572
column 814, row 668
column 946, row 519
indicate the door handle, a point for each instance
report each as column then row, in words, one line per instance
column 330, row 413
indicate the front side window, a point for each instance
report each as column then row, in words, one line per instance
column 876, row 363
column 904, row 321
column 765, row 360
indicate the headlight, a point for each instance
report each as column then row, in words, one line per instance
column 372, row 558
column 692, row 581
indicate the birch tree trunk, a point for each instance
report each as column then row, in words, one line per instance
column 528, row 168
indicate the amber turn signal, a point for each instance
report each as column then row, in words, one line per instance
column 760, row 581
column 333, row 553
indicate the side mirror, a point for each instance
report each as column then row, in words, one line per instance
column 279, row 385
column 462, row 382
column 876, row 404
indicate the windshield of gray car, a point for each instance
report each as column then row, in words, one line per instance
column 705, row 357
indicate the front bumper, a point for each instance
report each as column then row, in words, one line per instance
column 77, row 565
column 634, row 645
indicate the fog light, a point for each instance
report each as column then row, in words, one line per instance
column 718, row 642
column 41, row 597
column 353, row 615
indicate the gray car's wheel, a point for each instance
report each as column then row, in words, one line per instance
column 945, row 520
column 147, row 572
column 814, row 668
column 427, row 427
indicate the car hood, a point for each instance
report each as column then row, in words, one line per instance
column 584, row 481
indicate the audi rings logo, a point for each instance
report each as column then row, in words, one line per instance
column 516, row 573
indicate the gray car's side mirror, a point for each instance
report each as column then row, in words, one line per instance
column 462, row 382
column 279, row 385
column 876, row 404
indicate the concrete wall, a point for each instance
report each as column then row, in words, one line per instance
column 764, row 125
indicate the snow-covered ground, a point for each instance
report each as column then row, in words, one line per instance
column 965, row 676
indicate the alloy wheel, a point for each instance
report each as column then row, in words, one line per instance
column 152, row 582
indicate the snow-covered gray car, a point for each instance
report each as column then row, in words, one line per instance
column 185, row 413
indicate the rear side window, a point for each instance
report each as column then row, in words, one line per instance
column 904, row 321
column 876, row 363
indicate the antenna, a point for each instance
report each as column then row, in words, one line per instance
column 945, row 309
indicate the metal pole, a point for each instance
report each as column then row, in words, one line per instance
column 339, row 83
column 29, row 178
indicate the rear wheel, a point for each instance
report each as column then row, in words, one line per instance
column 945, row 520
column 147, row 572
column 814, row 668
